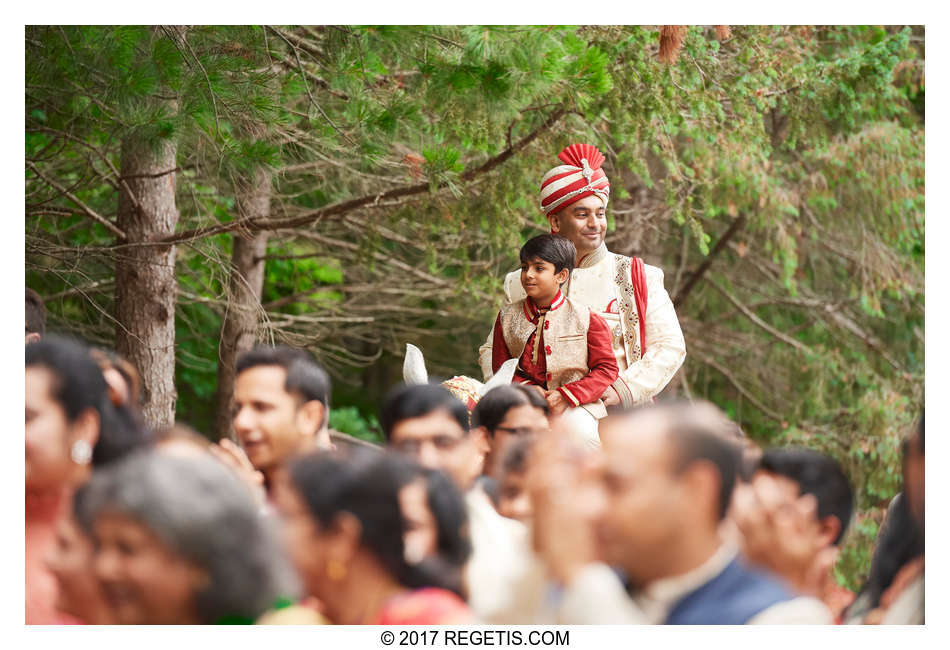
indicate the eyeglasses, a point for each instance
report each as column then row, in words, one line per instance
column 521, row 431
column 411, row 447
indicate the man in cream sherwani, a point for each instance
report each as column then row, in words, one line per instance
column 646, row 336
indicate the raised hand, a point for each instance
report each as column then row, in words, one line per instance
column 563, row 484
column 234, row 457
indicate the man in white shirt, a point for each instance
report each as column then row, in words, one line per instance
column 665, row 485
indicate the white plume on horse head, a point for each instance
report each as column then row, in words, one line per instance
column 505, row 374
column 414, row 366
column 414, row 371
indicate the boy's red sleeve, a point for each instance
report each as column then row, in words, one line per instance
column 499, row 351
column 602, row 364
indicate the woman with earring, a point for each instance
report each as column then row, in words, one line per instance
column 71, row 428
column 345, row 532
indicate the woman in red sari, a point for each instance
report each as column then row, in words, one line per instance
column 345, row 531
column 71, row 428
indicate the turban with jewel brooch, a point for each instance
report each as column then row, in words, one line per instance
column 580, row 177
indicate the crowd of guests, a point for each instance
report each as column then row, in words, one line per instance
column 495, row 515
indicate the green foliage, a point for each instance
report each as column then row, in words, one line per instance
column 349, row 420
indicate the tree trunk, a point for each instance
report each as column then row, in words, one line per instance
column 240, row 324
column 146, row 288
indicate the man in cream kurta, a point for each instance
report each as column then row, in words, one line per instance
column 574, row 198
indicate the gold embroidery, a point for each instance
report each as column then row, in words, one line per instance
column 631, row 319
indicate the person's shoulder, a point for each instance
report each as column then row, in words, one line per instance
column 426, row 606
column 513, row 289
column 800, row 610
column 653, row 273
column 577, row 306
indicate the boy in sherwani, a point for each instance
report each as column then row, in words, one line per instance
column 563, row 348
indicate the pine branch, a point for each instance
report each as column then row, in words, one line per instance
column 758, row 321
column 307, row 86
column 345, row 207
column 694, row 278
column 739, row 387
column 85, row 208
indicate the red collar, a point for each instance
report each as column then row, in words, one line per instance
column 531, row 311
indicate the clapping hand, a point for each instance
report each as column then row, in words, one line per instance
column 562, row 482
column 234, row 457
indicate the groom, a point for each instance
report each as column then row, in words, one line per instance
column 645, row 333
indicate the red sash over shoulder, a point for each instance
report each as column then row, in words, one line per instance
column 638, row 278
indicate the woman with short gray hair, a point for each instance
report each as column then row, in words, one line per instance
column 181, row 541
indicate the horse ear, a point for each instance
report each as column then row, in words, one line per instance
column 504, row 376
column 414, row 366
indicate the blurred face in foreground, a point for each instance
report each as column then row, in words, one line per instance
column 437, row 441
column 513, row 499
column 422, row 534
column 644, row 513
column 70, row 561
column 50, row 434
column 271, row 423
column 143, row 581
column 303, row 538
column 519, row 422
column 914, row 477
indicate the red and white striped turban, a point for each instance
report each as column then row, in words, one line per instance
column 580, row 177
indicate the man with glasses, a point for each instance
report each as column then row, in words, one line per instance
column 507, row 413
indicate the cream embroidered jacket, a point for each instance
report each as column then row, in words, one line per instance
column 602, row 283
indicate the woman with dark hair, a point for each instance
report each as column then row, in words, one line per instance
column 436, row 538
column 71, row 428
column 180, row 541
column 345, row 531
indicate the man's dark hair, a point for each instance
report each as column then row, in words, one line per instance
column 698, row 437
column 35, row 313
column 405, row 402
column 305, row 377
column 555, row 249
column 816, row 474
column 495, row 404
column 78, row 385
